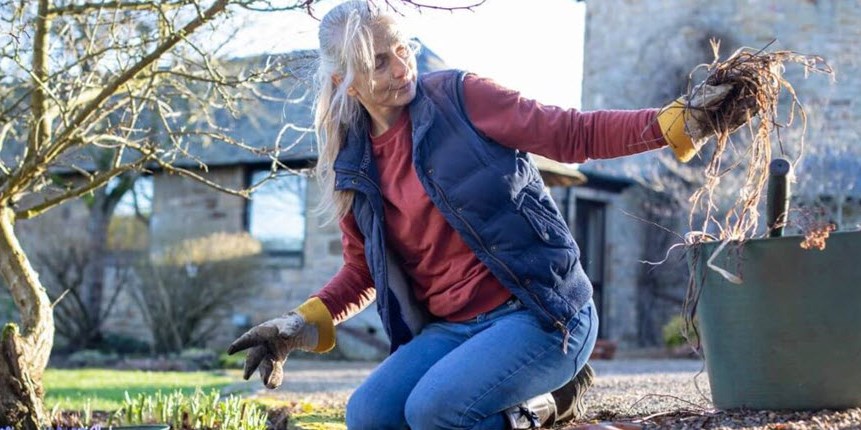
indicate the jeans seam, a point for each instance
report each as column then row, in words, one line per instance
column 589, row 330
column 526, row 363
column 488, row 391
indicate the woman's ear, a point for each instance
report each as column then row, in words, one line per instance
column 337, row 79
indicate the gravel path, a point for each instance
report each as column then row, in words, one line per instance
column 671, row 394
column 646, row 387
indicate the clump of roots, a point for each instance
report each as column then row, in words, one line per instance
column 757, row 83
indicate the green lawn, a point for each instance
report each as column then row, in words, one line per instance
column 306, row 416
column 70, row 389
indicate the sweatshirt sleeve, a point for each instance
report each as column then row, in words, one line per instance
column 352, row 288
column 564, row 135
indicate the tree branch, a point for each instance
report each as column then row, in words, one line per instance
column 112, row 87
column 421, row 5
column 169, row 168
column 41, row 125
column 268, row 7
column 96, row 182
column 3, row 132
column 80, row 9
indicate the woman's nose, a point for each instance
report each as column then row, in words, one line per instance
column 399, row 67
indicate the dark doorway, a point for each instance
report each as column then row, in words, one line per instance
column 589, row 227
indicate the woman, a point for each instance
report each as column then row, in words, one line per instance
column 447, row 224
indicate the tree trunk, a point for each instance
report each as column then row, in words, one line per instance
column 94, row 271
column 23, row 358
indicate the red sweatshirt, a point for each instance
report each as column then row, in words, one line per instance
column 446, row 276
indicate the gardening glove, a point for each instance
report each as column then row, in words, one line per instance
column 690, row 120
column 309, row 327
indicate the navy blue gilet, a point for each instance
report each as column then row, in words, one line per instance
column 493, row 196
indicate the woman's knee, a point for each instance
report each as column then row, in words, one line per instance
column 372, row 411
column 420, row 411
column 433, row 409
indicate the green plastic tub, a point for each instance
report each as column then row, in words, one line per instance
column 788, row 336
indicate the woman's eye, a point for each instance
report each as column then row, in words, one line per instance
column 380, row 63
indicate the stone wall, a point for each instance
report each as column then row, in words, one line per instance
column 184, row 209
column 639, row 53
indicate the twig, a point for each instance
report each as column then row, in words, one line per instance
column 669, row 396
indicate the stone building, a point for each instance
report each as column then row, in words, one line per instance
column 630, row 62
column 300, row 251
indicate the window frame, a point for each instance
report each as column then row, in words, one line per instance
column 115, row 213
column 294, row 259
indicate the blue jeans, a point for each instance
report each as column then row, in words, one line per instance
column 463, row 375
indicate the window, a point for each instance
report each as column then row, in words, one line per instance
column 137, row 200
column 129, row 226
column 276, row 212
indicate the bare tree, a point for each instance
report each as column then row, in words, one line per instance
column 134, row 84
column 102, row 90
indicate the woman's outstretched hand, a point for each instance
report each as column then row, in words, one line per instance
column 309, row 328
column 690, row 120
column 707, row 114
column 270, row 343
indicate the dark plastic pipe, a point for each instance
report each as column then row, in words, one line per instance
column 777, row 199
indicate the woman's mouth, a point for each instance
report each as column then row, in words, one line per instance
column 403, row 87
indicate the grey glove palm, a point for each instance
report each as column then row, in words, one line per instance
column 271, row 342
column 706, row 114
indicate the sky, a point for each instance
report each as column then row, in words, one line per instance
column 535, row 49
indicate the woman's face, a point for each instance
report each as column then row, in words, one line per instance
column 391, row 85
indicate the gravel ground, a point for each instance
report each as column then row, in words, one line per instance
column 654, row 393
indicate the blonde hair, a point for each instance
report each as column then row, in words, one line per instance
column 346, row 50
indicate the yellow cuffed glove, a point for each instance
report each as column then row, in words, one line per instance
column 686, row 123
column 316, row 313
column 309, row 327
column 671, row 118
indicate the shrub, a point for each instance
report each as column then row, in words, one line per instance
column 185, row 287
column 91, row 358
column 124, row 345
column 235, row 361
column 70, row 267
column 203, row 359
column 675, row 330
